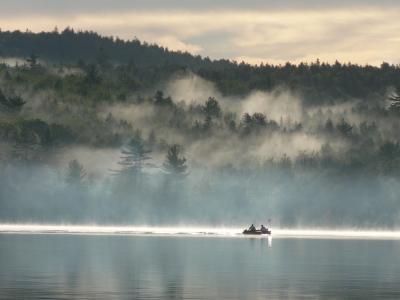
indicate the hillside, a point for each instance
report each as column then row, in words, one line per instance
column 101, row 130
column 317, row 82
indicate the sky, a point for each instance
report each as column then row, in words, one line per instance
column 255, row 31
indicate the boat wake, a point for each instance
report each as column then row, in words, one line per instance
column 191, row 231
column 117, row 230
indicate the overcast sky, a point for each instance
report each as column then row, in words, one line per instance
column 254, row 30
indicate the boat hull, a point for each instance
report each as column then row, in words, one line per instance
column 256, row 232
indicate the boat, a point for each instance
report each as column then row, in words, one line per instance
column 256, row 232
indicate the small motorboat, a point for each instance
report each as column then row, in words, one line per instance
column 257, row 232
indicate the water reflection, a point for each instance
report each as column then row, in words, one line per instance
column 134, row 267
column 264, row 241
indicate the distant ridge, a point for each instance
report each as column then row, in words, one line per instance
column 316, row 82
column 69, row 46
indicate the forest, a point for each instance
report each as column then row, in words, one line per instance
column 97, row 129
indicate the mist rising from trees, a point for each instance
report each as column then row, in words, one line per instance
column 108, row 140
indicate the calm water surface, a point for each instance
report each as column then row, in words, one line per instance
column 172, row 267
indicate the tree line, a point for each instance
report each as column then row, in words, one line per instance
column 317, row 81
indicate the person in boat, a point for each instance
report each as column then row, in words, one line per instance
column 263, row 229
column 252, row 228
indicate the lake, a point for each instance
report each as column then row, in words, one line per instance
column 112, row 266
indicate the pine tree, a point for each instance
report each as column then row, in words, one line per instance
column 76, row 173
column 135, row 157
column 212, row 108
column 344, row 128
column 175, row 164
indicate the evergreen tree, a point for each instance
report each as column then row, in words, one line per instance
column 259, row 119
column 135, row 157
column 161, row 101
column 344, row 128
column 175, row 164
column 212, row 108
column 75, row 173
column 329, row 126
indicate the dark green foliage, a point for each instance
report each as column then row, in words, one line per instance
column 256, row 123
column 344, row 128
column 74, row 103
column 60, row 134
column 70, row 46
column 160, row 100
column 175, row 164
column 35, row 131
column 92, row 74
column 316, row 82
column 259, row 119
column 135, row 157
column 212, row 108
column 11, row 104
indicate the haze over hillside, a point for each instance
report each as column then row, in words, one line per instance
column 97, row 129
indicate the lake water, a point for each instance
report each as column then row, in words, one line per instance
column 110, row 266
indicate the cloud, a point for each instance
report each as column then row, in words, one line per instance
column 278, row 104
column 172, row 43
column 72, row 7
column 191, row 89
column 275, row 105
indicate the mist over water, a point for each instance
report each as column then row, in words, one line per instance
column 247, row 158
column 189, row 231
column 220, row 198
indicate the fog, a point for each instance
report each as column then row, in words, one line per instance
column 236, row 175
column 222, row 198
